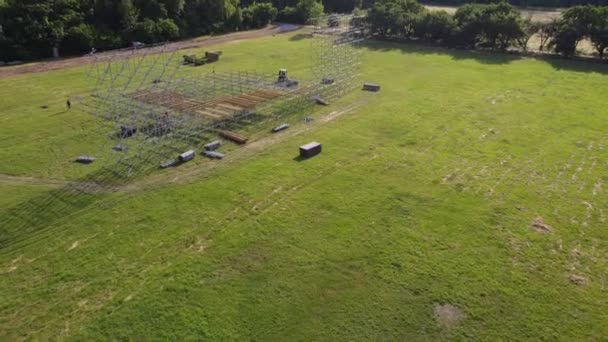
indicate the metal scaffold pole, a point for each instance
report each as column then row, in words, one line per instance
column 150, row 108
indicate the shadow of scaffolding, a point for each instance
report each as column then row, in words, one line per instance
column 32, row 219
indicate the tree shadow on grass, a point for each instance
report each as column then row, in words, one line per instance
column 561, row 63
column 485, row 57
column 423, row 49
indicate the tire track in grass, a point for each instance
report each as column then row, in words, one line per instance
column 588, row 206
column 566, row 189
column 333, row 116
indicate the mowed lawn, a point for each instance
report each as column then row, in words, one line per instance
column 413, row 224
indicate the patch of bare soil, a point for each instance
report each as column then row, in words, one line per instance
column 181, row 45
column 74, row 245
column 448, row 315
column 578, row 279
column 539, row 225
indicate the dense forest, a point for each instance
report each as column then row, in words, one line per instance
column 523, row 3
column 33, row 28
column 38, row 28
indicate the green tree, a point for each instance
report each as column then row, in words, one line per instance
column 36, row 27
column 115, row 15
column 289, row 14
column 546, row 32
column 598, row 33
column 151, row 9
column 79, row 39
column 495, row 26
column 500, row 25
column 574, row 25
column 167, row 30
column 341, row 6
column 309, row 10
column 469, row 25
column 565, row 40
column 580, row 19
column 259, row 15
column 395, row 17
column 144, row 31
column 204, row 16
column 435, row 26
column 529, row 28
column 174, row 8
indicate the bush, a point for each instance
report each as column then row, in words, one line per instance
column 259, row 15
column 143, row 31
column 235, row 21
column 565, row 40
column 599, row 31
column 435, row 26
column 395, row 17
column 502, row 25
column 7, row 52
column 304, row 12
column 341, row 6
column 468, row 19
column 166, row 30
column 79, row 39
column 289, row 14
column 309, row 10
column 107, row 41
column 575, row 24
column 493, row 26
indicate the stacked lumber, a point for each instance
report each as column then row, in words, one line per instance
column 232, row 136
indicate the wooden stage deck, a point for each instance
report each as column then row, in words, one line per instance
column 215, row 109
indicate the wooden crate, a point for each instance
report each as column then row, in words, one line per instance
column 310, row 150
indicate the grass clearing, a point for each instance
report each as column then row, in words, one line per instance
column 414, row 223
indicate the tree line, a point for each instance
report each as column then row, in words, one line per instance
column 524, row 3
column 35, row 28
column 496, row 26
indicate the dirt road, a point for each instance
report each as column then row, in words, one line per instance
column 9, row 71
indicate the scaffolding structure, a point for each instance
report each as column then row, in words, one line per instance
column 152, row 108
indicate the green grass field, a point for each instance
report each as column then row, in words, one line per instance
column 424, row 196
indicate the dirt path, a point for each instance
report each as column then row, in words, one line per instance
column 23, row 180
column 54, row 183
column 181, row 45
